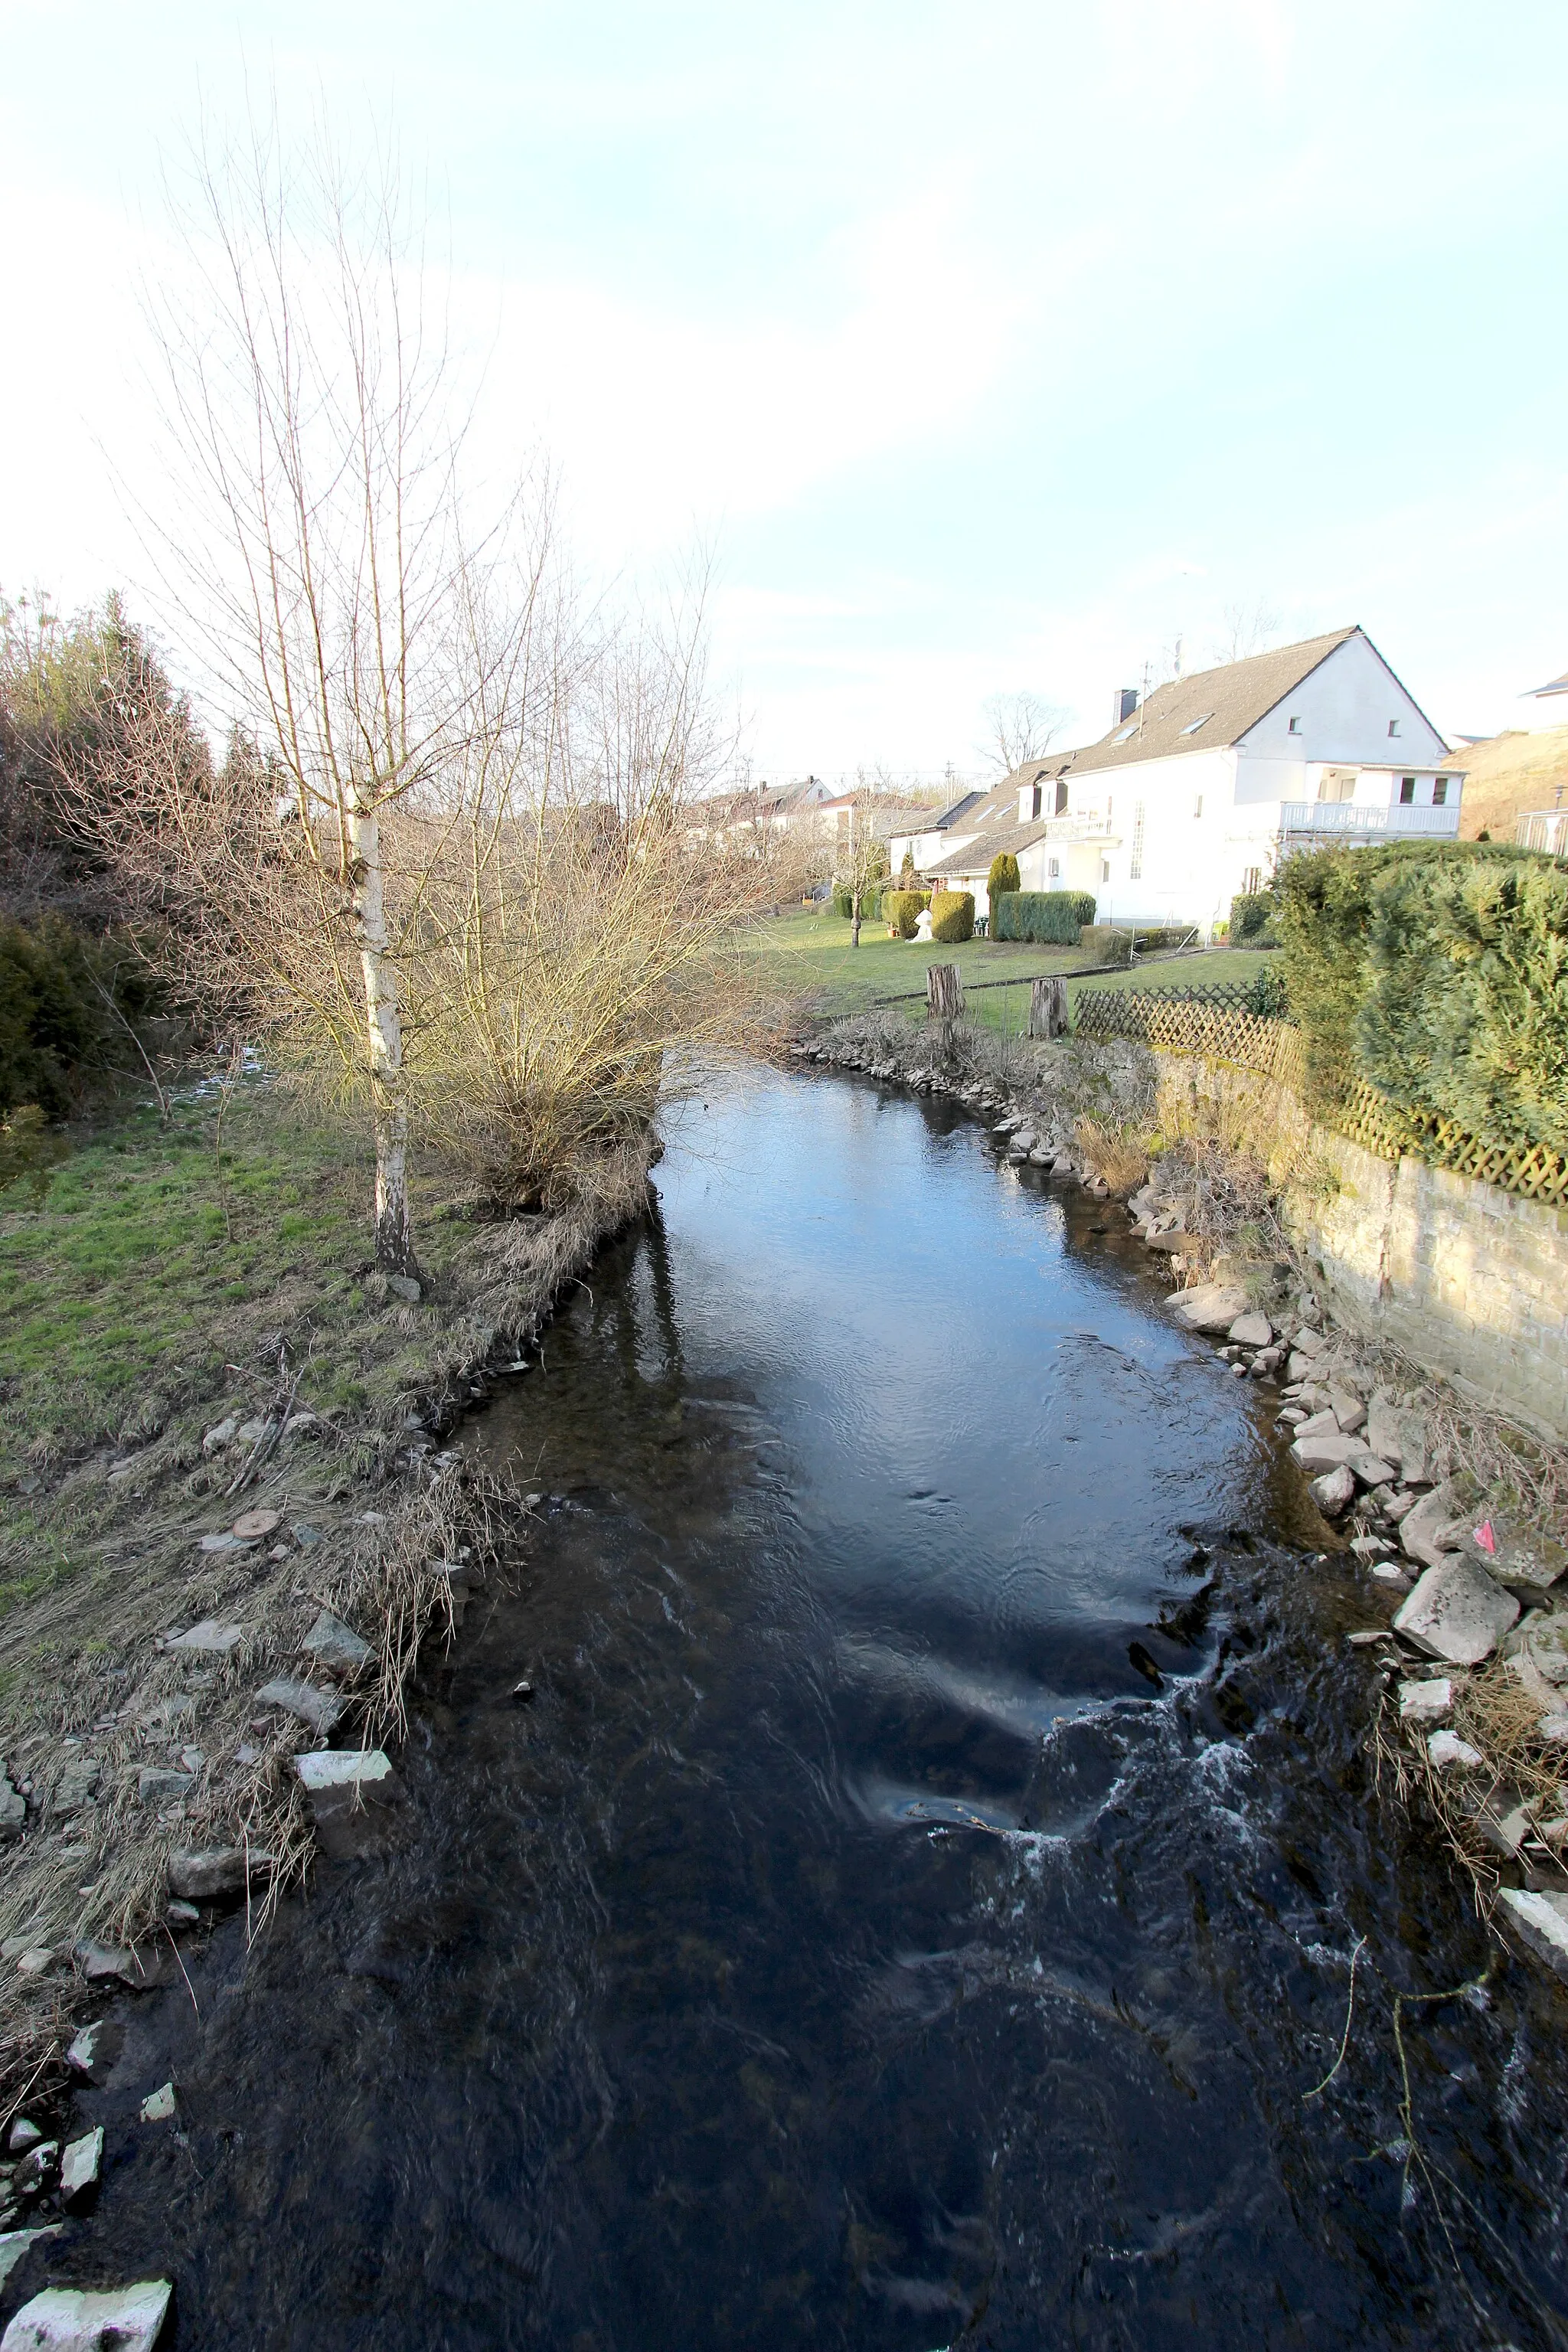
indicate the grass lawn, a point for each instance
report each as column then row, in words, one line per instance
column 808, row 958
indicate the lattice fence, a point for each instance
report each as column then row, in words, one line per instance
column 1192, row 1024
column 1197, row 1025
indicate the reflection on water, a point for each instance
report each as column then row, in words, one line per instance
column 922, row 1895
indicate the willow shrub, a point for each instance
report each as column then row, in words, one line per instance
column 65, row 998
column 1435, row 970
column 1049, row 917
column 952, row 916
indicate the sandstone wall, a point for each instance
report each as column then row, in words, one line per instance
column 1466, row 1279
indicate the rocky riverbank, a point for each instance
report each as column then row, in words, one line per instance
column 212, row 1628
column 1454, row 1521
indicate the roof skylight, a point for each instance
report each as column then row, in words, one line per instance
column 1194, row 724
column 1125, row 733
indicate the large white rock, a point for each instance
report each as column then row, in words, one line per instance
column 79, row 2166
column 1458, row 1614
column 1251, row 1332
column 345, row 1772
column 1447, row 1749
column 128, row 2318
column 1423, row 1531
column 1211, row 1306
column 1426, row 1702
column 1334, row 1492
column 1542, row 1924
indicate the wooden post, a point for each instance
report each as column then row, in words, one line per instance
column 1048, row 1009
column 944, row 993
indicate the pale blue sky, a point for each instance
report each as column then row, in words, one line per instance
column 991, row 347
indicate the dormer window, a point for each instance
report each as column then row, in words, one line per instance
column 1393, row 726
column 1194, row 724
column 1295, row 727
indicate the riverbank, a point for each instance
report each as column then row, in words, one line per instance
column 230, row 1520
column 1455, row 1521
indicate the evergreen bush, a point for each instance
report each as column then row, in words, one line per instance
column 903, row 909
column 1002, row 877
column 59, row 990
column 1250, row 913
column 1049, row 917
column 1447, row 916
column 952, row 916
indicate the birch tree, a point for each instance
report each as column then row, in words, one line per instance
column 320, row 544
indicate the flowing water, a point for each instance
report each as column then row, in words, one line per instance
column 919, row 1903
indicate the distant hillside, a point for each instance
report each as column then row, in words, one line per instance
column 1508, row 774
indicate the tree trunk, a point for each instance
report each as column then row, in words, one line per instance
column 1048, row 1009
column 394, row 1234
column 854, row 918
column 944, row 993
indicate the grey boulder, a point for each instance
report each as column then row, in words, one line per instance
column 320, row 1709
column 68, row 2319
column 336, row 1646
column 199, row 1877
column 1457, row 1613
column 1334, row 1491
column 1423, row 1531
column 1210, row 1307
column 1251, row 1332
column 1541, row 1921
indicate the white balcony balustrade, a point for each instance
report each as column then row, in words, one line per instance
column 1340, row 819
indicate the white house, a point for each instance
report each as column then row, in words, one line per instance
column 1197, row 794
column 750, row 817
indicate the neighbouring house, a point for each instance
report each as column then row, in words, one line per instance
column 1197, row 793
column 751, row 818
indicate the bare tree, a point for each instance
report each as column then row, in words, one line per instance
column 1246, row 627
column 321, row 545
column 1021, row 728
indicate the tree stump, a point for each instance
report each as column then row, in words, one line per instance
column 944, row 993
column 1048, row 1009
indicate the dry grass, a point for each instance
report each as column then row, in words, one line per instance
column 1499, row 1719
column 1122, row 1160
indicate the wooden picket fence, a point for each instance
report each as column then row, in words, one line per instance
column 1205, row 1026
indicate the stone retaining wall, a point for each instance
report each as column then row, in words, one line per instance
column 1467, row 1280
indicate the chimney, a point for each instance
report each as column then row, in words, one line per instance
column 1124, row 702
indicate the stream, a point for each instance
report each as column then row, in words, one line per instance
column 919, row 1904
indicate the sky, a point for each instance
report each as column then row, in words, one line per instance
column 982, row 349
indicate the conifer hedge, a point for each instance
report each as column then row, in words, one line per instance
column 952, row 916
column 1052, row 917
column 1440, row 972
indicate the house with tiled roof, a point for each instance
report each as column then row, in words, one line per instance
column 1198, row 792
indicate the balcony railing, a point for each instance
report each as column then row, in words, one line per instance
column 1544, row 829
column 1091, row 826
column 1339, row 818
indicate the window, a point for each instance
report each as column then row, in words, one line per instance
column 1407, row 790
column 1107, row 807
column 1192, row 725
column 1295, row 728
column 1393, row 726
column 1054, row 869
column 1197, row 804
column 1061, row 796
column 1105, row 869
column 1135, row 870
column 1125, row 733
column 1440, row 793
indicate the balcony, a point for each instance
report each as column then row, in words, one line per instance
column 1351, row 820
column 1090, row 826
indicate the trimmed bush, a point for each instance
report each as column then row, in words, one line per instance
column 903, row 909
column 1002, row 877
column 1450, row 927
column 1250, row 912
column 868, row 902
column 952, row 916
column 1049, row 917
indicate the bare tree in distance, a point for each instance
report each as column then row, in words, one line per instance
column 1021, row 728
column 1246, row 627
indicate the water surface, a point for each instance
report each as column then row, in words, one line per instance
column 918, row 1905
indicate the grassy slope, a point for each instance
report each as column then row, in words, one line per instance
column 808, row 958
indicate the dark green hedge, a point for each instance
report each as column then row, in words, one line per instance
column 903, row 909
column 1440, row 972
column 58, row 1026
column 1047, row 917
column 870, row 901
column 1249, row 914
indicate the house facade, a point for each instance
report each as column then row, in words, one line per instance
column 1197, row 794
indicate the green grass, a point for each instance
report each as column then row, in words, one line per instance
column 137, row 1275
column 808, row 958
